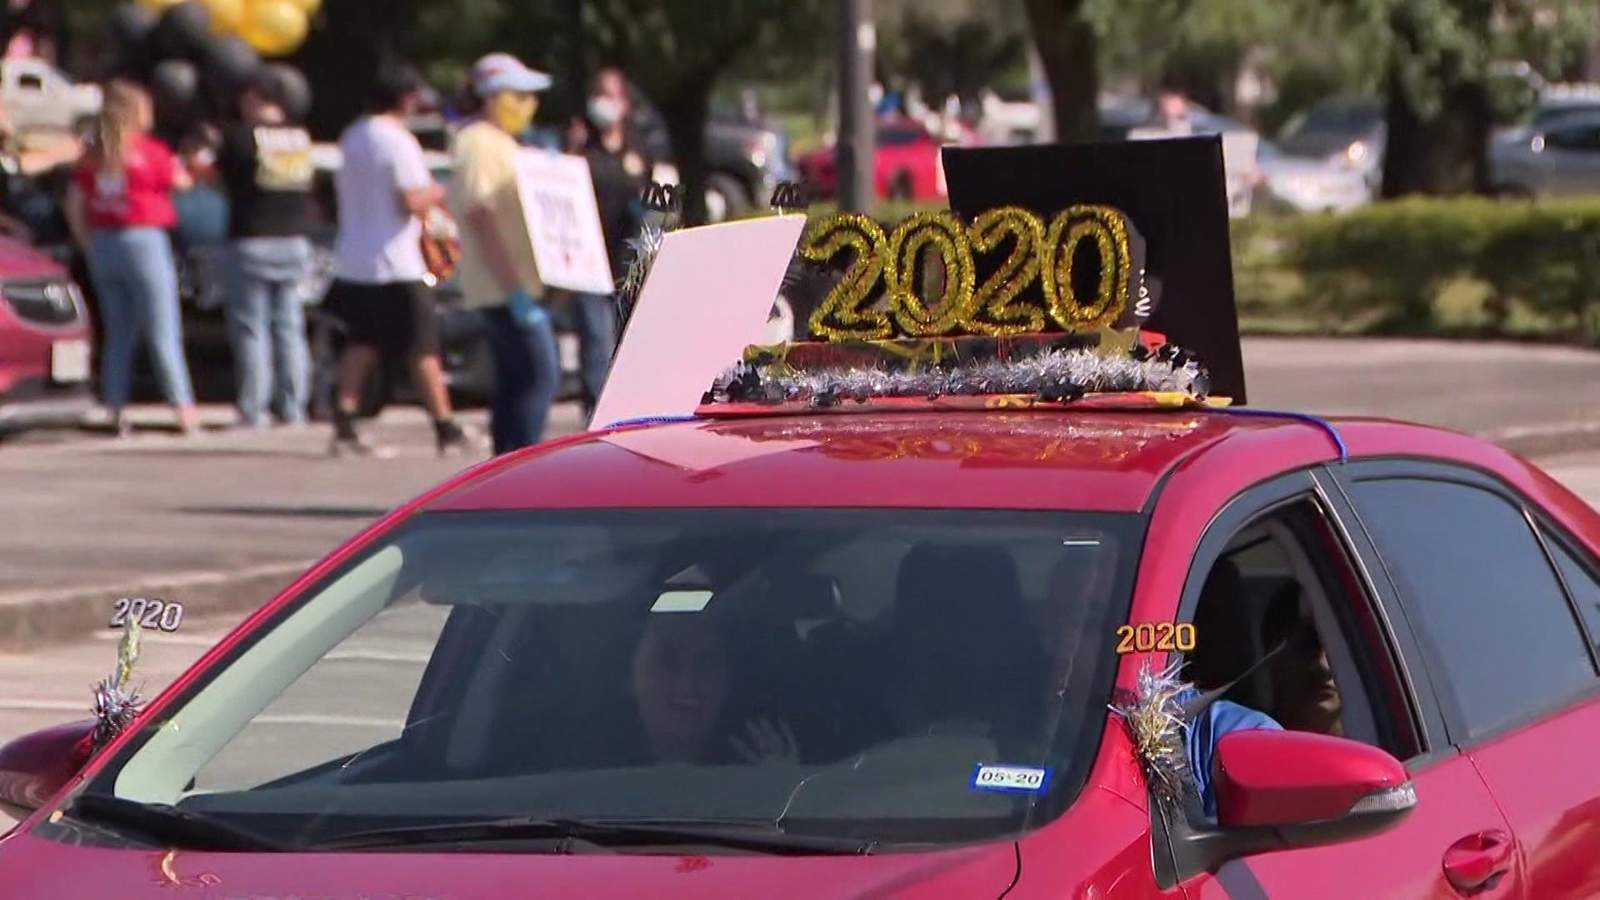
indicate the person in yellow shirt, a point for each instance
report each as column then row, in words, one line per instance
column 498, row 273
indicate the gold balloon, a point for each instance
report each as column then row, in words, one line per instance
column 309, row 7
column 274, row 27
column 159, row 6
column 227, row 16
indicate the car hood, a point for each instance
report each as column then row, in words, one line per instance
column 19, row 260
column 36, row 867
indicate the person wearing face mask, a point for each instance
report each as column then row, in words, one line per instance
column 498, row 272
column 620, row 169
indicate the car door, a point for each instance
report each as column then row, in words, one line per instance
column 1493, row 598
column 1571, row 159
column 1377, row 666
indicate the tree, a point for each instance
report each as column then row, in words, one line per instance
column 1068, row 50
column 958, row 58
column 675, row 51
column 1441, row 56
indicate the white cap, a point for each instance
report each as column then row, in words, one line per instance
column 503, row 72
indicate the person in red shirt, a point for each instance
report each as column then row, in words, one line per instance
column 120, row 207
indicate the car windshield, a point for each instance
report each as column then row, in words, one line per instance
column 901, row 677
column 1329, row 127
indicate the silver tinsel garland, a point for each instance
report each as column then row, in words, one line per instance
column 1053, row 375
column 1155, row 720
column 645, row 246
column 116, row 702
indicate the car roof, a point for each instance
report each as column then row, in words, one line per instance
column 1014, row 459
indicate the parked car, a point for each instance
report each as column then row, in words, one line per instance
column 746, row 158
column 905, row 163
column 37, row 95
column 1555, row 156
column 1347, row 131
column 46, row 342
column 1308, row 184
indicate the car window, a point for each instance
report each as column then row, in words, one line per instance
column 1585, row 137
column 1477, row 583
column 1581, row 584
column 1284, row 586
column 852, row 672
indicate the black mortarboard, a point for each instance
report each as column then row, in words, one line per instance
column 1176, row 194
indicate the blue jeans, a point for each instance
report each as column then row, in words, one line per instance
column 267, row 327
column 527, row 371
column 597, row 343
column 136, row 285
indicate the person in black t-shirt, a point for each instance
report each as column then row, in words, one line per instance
column 620, row 168
column 265, row 164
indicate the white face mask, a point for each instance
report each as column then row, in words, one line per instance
column 605, row 111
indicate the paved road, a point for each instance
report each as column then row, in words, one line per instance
column 102, row 512
column 1536, row 399
column 97, row 511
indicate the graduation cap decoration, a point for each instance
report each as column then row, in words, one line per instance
column 1174, row 193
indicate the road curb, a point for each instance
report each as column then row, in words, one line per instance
column 28, row 619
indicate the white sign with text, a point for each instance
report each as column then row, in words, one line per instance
column 564, row 221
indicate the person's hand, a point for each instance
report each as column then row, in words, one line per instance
column 766, row 741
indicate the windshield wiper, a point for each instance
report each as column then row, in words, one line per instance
column 750, row 835
column 167, row 824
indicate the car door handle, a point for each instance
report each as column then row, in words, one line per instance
column 1478, row 860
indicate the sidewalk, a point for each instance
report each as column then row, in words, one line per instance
column 220, row 521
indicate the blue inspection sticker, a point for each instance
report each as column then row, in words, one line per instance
column 1011, row 779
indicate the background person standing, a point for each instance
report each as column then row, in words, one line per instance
column 621, row 169
column 380, row 288
column 120, row 207
column 265, row 162
column 498, row 272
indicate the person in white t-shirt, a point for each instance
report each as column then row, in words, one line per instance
column 380, row 287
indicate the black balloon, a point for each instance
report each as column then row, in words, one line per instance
column 184, row 30
column 231, row 62
column 293, row 89
column 131, row 24
column 175, row 85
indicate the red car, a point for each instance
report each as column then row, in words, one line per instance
column 905, row 166
column 45, row 341
column 908, row 627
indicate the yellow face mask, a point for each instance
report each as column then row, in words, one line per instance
column 511, row 111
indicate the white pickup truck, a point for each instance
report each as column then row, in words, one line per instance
column 39, row 96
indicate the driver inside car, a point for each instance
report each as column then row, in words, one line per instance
column 680, row 683
column 1221, row 657
column 1304, row 695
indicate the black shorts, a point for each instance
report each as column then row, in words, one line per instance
column 398, row 319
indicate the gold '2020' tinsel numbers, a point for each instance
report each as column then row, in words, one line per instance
column 944, row 234
column 1108, row 230
column 996, row 310
column 845, row 313
column 852, row 311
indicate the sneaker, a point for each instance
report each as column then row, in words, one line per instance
column 353, row 445
column 452, row 439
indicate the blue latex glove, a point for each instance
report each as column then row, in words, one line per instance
column 526, row 312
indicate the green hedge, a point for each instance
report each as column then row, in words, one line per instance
column 1457, row 266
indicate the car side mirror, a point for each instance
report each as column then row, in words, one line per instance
column 1281, row 790
column 1314, row 788
column 37, row 765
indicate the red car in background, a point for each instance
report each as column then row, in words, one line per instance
column 905, row 166
column 45, row 341
column 938, row 606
